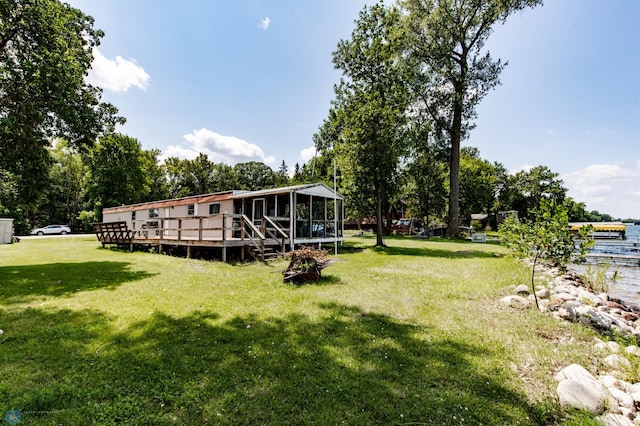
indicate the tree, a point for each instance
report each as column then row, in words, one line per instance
column 198, row 175
column 529, row 187
column 545, row 238
column 67, row 193
column 46, row 49
column 445, row 41
column 156, row 175
column 224, row 178
column 118, row 175
column 8, row 191
column 424, row 188
column 254, row 176
column 369, row 108
column 282, row 176
column 478, row 181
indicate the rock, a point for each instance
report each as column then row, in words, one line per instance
column 612, row 382
column 521, row 289
column 567, row 312
column 601, row 321
column 517, row 302
column 585, row 311
column 543, row 294
column 615, row 420
column 580, row 395
column 616, row 303
column 564, row 296
column 633, row 350
column 634, row 391
column 575, row 372
column 617, row 361
column 608, row 346
column 622, row 398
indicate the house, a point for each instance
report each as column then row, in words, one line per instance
column 253, row 222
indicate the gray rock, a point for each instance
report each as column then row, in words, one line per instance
column 612, row 382
column 567, row 312
column 564, row 296
column 575, row 372
column 634, row 391
column 633, row 350
column 580, row 395
column 615, row 420
column 617, row 361
column 608, row 346
column 543, row 294
column 622, row 398
column 521, row 289
column 517, row 302
column 601, row 321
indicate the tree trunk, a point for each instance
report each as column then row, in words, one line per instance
column 379, row 227
column 454, row 173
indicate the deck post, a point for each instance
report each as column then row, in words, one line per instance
column 224, row 228
column 188, row 252
column 224, row 253
column 200, row 229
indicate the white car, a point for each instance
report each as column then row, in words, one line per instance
column 52, row 229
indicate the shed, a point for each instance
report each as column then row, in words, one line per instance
column 6, row 230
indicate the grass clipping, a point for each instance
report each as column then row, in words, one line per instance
column 306, row 265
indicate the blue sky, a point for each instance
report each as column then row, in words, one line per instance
column 248, row 80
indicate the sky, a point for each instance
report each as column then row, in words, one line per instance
column 252, row 80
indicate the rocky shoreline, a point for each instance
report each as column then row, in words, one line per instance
column 565, row 296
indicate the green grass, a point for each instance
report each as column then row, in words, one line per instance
column 411, row 334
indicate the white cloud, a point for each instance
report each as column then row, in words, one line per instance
column 307, row 154
column 607, row 188
column 117, row 74
column 264, row 23
column 521, row 168
column 219, row 148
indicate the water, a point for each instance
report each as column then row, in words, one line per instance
column 626, row 286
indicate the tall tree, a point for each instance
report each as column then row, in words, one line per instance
column 369, row 106
column 67, row 194
column 118, row 175
column 530, row 187
column 254, row 176
column 46, row 48
column 282, row 176
column 445, row 41
column 478, row 182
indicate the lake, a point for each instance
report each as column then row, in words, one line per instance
column 626, row 286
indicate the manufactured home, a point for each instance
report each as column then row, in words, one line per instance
column 253, row 222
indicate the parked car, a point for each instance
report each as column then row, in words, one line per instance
column 52, row 229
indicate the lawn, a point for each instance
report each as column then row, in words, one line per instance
column 412, row 334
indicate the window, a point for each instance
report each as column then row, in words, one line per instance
column 214, row 208
column 191, row 209
column 153, row 213
column 133, row 215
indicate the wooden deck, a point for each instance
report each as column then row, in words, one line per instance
column 219, row 231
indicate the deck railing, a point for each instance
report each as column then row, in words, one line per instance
column 220, row 227
column 273, row 228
